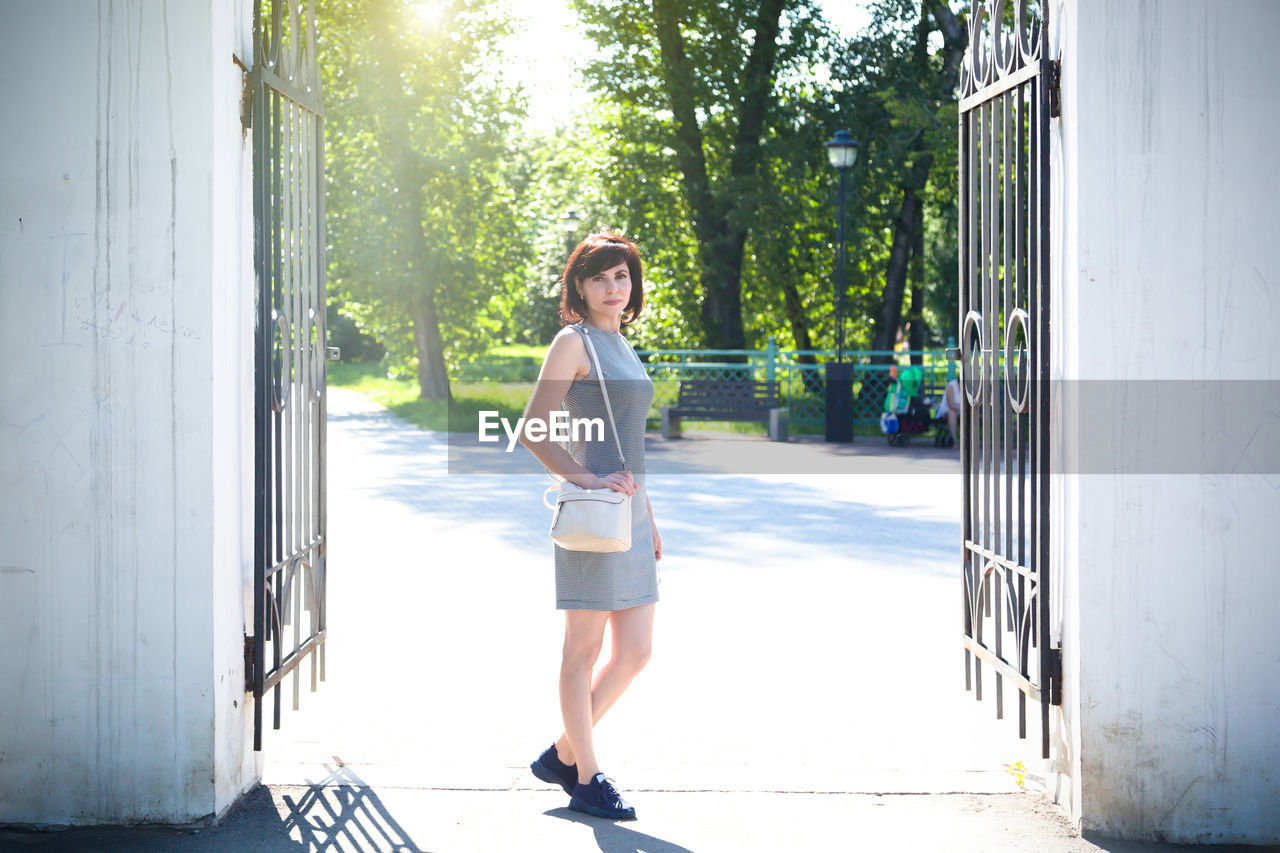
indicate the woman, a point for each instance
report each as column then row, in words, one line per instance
column 601, row 293
column 949, row 407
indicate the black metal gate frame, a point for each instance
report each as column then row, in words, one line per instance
column 1008, row 93
column 289, row 375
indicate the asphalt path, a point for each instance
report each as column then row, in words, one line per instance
column 806, row 690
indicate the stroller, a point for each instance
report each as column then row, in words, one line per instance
column 906, row 412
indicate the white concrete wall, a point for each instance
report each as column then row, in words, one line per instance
column 1166, row 243
column 236, row 766
column 125, row 410
column 1064, row 498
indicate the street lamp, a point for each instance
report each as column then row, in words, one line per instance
column 842, row 151
column 570, row 222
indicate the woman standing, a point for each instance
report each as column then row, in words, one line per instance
column 601, row 293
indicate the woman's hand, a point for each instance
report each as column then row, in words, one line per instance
column 619, row 481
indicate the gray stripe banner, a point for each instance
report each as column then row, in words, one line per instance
column 1099, row 427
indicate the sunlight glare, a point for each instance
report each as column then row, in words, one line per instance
column 427, row 13
column 541, row 55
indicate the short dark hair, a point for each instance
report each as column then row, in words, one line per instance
column 598, row 252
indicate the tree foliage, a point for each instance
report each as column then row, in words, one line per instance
column 693, row 91
column 426, row 246
column 704, row 142
column 769, row 193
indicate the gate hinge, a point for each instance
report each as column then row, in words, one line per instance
column 249, row 658
column 1055, row 676
column 246, row 97
column 1055, row 88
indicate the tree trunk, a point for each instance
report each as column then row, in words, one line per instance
column 915, row 316
column 910, row 218
column 954, row 38
column 725, row 330
column 905, row 225
column 720, row 247
column 794, row 307
column 433, row 378
column 707, row 222
column 411, row 180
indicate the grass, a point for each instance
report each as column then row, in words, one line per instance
column 537, row 351
column 509, row 363
column 508, row 399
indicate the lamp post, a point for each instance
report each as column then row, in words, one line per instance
column 842, row 152
column 570, row 222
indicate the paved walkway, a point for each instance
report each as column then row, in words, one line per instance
column 812, row 620
column 806, row 690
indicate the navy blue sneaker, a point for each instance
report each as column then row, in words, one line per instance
column 549, row 768
column 598, row 797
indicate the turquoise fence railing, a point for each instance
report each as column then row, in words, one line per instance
column 799, row 374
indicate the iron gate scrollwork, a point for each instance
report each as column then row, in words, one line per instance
column 1007, row 95
column 287, row 120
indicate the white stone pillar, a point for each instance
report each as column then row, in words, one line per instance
column 1167, row 253
column 126, row 414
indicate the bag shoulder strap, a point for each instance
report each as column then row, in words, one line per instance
column 604, row 392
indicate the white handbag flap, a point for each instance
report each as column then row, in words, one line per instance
column 606, row 495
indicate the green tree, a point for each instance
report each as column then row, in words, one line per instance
column 692, row 88
column 425, row 246
column 894, row 85
column 921, row 100
column 564, row 169
column 714, row 115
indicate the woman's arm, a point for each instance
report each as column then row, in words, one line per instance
column 952, row 393
column 566, row 361
column 653, row 526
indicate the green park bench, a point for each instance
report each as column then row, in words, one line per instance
column 727, row 400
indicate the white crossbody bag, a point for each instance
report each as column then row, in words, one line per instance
column 591, row 519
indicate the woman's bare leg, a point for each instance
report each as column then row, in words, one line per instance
column 632, row 642
column 583, row 637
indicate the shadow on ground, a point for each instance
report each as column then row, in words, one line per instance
column 1111, row 845
column 339, row 812
column 618, row 837
column 702, row 513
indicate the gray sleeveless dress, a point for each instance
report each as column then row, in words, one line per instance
column 588, row 580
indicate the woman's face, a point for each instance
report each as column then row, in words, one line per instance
column 608, row 291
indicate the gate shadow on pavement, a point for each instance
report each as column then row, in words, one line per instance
column 339, row 806
column 337, row 813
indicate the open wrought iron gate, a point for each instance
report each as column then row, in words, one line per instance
column 1008, row 93
column 289, row 377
